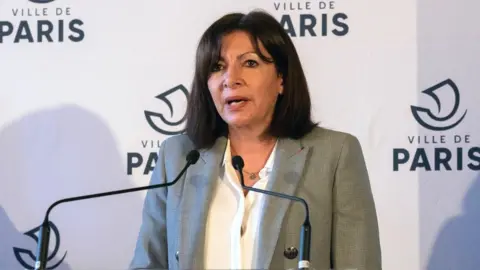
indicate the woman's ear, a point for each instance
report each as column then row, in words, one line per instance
column 280, row 91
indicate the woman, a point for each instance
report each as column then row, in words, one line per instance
column 250, row 98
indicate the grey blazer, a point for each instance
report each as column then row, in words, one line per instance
column 325, row 167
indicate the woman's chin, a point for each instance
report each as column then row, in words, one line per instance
column 238, row 122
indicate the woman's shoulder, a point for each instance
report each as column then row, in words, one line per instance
column 333, row 144
column 178, row 141
column 177, row 145
column 322, row 135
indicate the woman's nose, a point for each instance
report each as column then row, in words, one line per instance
column 232, row 77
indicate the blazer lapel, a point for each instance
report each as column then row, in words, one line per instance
column 287, row 171
column 197, row 195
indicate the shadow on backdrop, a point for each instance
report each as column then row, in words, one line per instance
column 448, row 52
column 458, row 242
column 10, row 238
column 52, row 154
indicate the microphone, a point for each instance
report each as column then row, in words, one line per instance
column 44, row 233
column 305, row 233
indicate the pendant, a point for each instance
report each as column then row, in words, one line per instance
column 252, row 176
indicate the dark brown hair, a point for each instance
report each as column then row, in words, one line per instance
column 292, row 116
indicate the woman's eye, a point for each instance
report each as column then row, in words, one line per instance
column 251, row 63
column 217, row 67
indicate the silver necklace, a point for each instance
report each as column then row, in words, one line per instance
column 252, row 176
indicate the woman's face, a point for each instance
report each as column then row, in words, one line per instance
column 244, row 88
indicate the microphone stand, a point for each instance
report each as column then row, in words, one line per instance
column 44, row 233
column 306, row 231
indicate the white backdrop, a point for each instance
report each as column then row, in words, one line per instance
column 74, row 116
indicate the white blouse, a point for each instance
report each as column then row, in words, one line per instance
column 230, row 214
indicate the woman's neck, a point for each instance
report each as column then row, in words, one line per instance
column 245, row 142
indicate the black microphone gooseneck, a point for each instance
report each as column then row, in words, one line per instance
column 305, row 233
column 44, row 233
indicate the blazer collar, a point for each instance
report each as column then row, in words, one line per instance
column 289, row 163
column 290, row 157
column 197, row 194
column 215, row 153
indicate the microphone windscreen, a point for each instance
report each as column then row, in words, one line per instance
column 237, row 162
column 192, row 156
